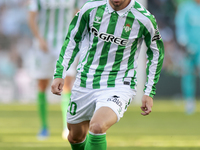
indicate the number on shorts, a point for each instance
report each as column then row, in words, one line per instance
column 73, row 107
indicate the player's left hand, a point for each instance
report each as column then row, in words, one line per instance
column 57, row 86
column 147, row 104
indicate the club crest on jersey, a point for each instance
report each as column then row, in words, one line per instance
column 127, row 28
column 109, row 37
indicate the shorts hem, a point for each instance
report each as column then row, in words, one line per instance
column 78, row 121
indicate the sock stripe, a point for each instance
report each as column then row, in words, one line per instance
column 96, row 134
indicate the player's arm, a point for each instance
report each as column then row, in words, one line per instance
column 147, row 104
column 57, row 86
column 155, row 57
column 34, row 27
column 77, row 29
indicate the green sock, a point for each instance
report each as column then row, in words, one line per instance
column 79, row 146
column 42, row 108
column 96, row 142
column 64, row 106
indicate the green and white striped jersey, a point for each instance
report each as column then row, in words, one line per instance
column 54, row 17
column 115, row 39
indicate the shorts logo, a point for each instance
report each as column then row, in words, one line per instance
column 119, row 110
column 116, row 100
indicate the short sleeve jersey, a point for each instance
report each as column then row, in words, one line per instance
column 54, row 17
column 115, row 39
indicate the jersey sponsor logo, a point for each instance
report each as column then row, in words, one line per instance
column 127, row 28
column 109, row 37
column 156, row 36
column 116, row 100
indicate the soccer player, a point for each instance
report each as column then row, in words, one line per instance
column 49, row 21
column 106, row 80
column 187, row 33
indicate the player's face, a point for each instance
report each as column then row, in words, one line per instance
column 119, row 4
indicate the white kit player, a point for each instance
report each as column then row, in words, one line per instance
column 49, row 21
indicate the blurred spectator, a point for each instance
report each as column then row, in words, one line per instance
column 187, row 33
column 164, row 11
column 178, row 2
column 13, row 28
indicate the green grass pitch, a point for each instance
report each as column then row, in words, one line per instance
column 166, row 128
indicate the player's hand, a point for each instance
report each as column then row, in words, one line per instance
column 147, row 103
column 57, row 86
column 43, row 45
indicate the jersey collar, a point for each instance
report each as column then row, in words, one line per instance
column 122, row 12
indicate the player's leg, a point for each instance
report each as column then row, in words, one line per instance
column 102, row 120
column 80, row 111
column 188, row 84
column 65, row 98
column 110, row 107
column 78, row 135
column 42, row 106
column 43, row 66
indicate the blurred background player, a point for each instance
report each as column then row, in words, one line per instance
column 48, row 21
column 69, row 80
column 187, row 32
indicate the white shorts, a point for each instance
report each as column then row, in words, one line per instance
column 43, row 64
column 84, row 102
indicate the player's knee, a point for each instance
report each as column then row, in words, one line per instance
column 42, row 87
column 76, row 138
column 97, row 128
